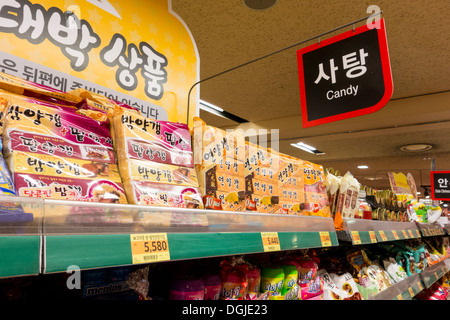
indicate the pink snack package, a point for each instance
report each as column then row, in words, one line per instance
column 311, row 284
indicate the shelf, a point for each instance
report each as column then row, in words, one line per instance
column 430, row 229
column 20, row 236
column 434, row 272
column 403, row 290
column 95, row 235
column 362, row 231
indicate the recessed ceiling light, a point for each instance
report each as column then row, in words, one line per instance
column 307, row 148
column 419, row 147
column 363, row 167
column 260, row 4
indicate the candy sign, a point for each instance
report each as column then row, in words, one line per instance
column 136, row 52
column 345, row 76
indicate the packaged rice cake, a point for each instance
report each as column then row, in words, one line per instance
column 53, row 152
column 291, row 184
column 261, row 178
column 155, row 161
column 219, row 162
column 30, row 89
column 316, row 197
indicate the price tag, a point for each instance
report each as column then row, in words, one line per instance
column 356, row 237
column 399, row 297
column 372, row 236
column 418, row 233
column 270, row 241
column 410, row 233
column 405, row 235
column 425, row 232
column 325, row 239
column 411, row 291
column 420, row 286
column 382, row 235
column 435, row 274
column 395, row 235
column 149, row 247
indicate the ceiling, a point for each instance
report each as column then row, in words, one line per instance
column 266, row 92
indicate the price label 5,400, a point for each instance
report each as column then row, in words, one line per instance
column 149, row 247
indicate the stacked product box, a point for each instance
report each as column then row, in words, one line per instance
column 54, row 152
column 316, row 197
column 291, row 184
column 219, row 161
column 261, row 179
column 155, row 161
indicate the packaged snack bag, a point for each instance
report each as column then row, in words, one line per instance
column 187, row 289
column 53, row 152
column 261, row 178
column 212, row 285
column 395, row 270
column 316, row 197
column 6, row 182
column 332, row 183
column 234, row 283
column 310, row 283
column 155, row 161
column 253, row 276
column 347, row 202
column 219, row 163
column 272, row 279
column 290, row 278
column 346, row 283
column 30, row 89
column 330, row 290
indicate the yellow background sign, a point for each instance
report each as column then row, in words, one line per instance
column 138, row 51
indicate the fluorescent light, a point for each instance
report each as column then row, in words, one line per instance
column 418, row 193
column 206, row 106
column 363, row 167
column 445, row 205
column 306, row 147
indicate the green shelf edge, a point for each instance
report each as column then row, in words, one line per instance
column 95, row 251
column 20, row 255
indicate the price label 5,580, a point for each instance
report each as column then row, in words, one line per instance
column 149, row 247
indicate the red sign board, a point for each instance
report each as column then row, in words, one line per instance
column 345, row 76
column 440, row 185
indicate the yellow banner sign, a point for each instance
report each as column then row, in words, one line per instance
column 136, row 52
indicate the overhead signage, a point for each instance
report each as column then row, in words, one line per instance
column 440, row 185
column 144, row 58
column 345, row 76
column 399, row 183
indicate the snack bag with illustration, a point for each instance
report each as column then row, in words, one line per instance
column 316, row 197
column 53, row 152
column 272, row 279
column 261, row 182
column 291, row 184
column 219, row 163
column 347, row 284
column 155, row 161
column 234, row 282
column 310, row 283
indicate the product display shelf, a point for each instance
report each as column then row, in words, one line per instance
column 94, row 235
column 20, row 236
column 363, row 231
column 434, row 272
column 403, row 290
column 431, row 229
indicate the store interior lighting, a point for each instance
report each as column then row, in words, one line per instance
column 307, row 148
column 211, row 108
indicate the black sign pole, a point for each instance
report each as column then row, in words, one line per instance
column 273, row 53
